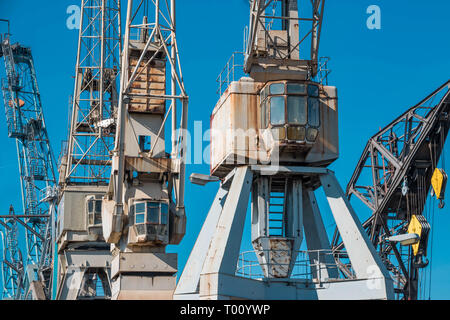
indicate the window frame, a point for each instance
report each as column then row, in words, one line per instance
column 265, row 106
column 94, row 216
column 148, row 204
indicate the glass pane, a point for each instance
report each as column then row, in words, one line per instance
column 313, row 112
column 140, row 207
column 140, row 218
column 98, row 218
column 264, row 93
column 141, row 230
column 296, row 109
column 312, row 134
column 296, row 88
column 145, row 143
column 164, row 213
column 98, row 206
column 277, row 110
column 313, row 90
column 152, row 212
column 279, row 133
column 296, row 133
column 90, row 205
column 263, row 114
column 277, row 88
column 91, row 219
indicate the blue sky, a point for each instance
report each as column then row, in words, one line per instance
column 379, row 74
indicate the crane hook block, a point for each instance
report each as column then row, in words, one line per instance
column 438, row 182
column 419, row 225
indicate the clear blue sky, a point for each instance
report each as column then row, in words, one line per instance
column 379, row 74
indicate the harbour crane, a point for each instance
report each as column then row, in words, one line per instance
column 393, row 178
column 83, row 255
column 274, row 133
column 143, row 209
column 26, row 125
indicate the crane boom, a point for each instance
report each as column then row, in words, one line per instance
column 393, row 178
column 26, row 125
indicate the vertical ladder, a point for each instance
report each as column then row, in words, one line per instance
column 277, row 207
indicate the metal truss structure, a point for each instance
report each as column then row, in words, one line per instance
column 265, row 47
column 12, row 262
column 393, row 179
column 85, row 167
column 26, row 124
column 91, row 136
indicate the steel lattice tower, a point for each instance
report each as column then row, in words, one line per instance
column 91, row 136
column 85, row 167
column 26, row 124
column 12, row 265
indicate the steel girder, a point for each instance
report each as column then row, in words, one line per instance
column 261, row 22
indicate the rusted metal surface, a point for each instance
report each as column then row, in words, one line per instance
column 237, row 137
column 150, row 165
column 276, row 259
column 234, row 124
column 150, row 81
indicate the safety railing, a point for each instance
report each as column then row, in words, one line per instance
column 233, row 70
column 323, row 71
column 309, row 265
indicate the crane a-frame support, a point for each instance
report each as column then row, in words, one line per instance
column 211, row 270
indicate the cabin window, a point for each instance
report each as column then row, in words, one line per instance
column 296, row 133
column 312, row 134
column 277, row 110
column 264, row 93
column 94, row 208
column 277, row 88
column 164, row 213
column 313, row 91
column 279, row 133
column 139, row 212
column 145, row 143
column 151, row 212
column 296, row 110
column 291, row 110
column 263, row 114
column 313, row 112
column 296, row 88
